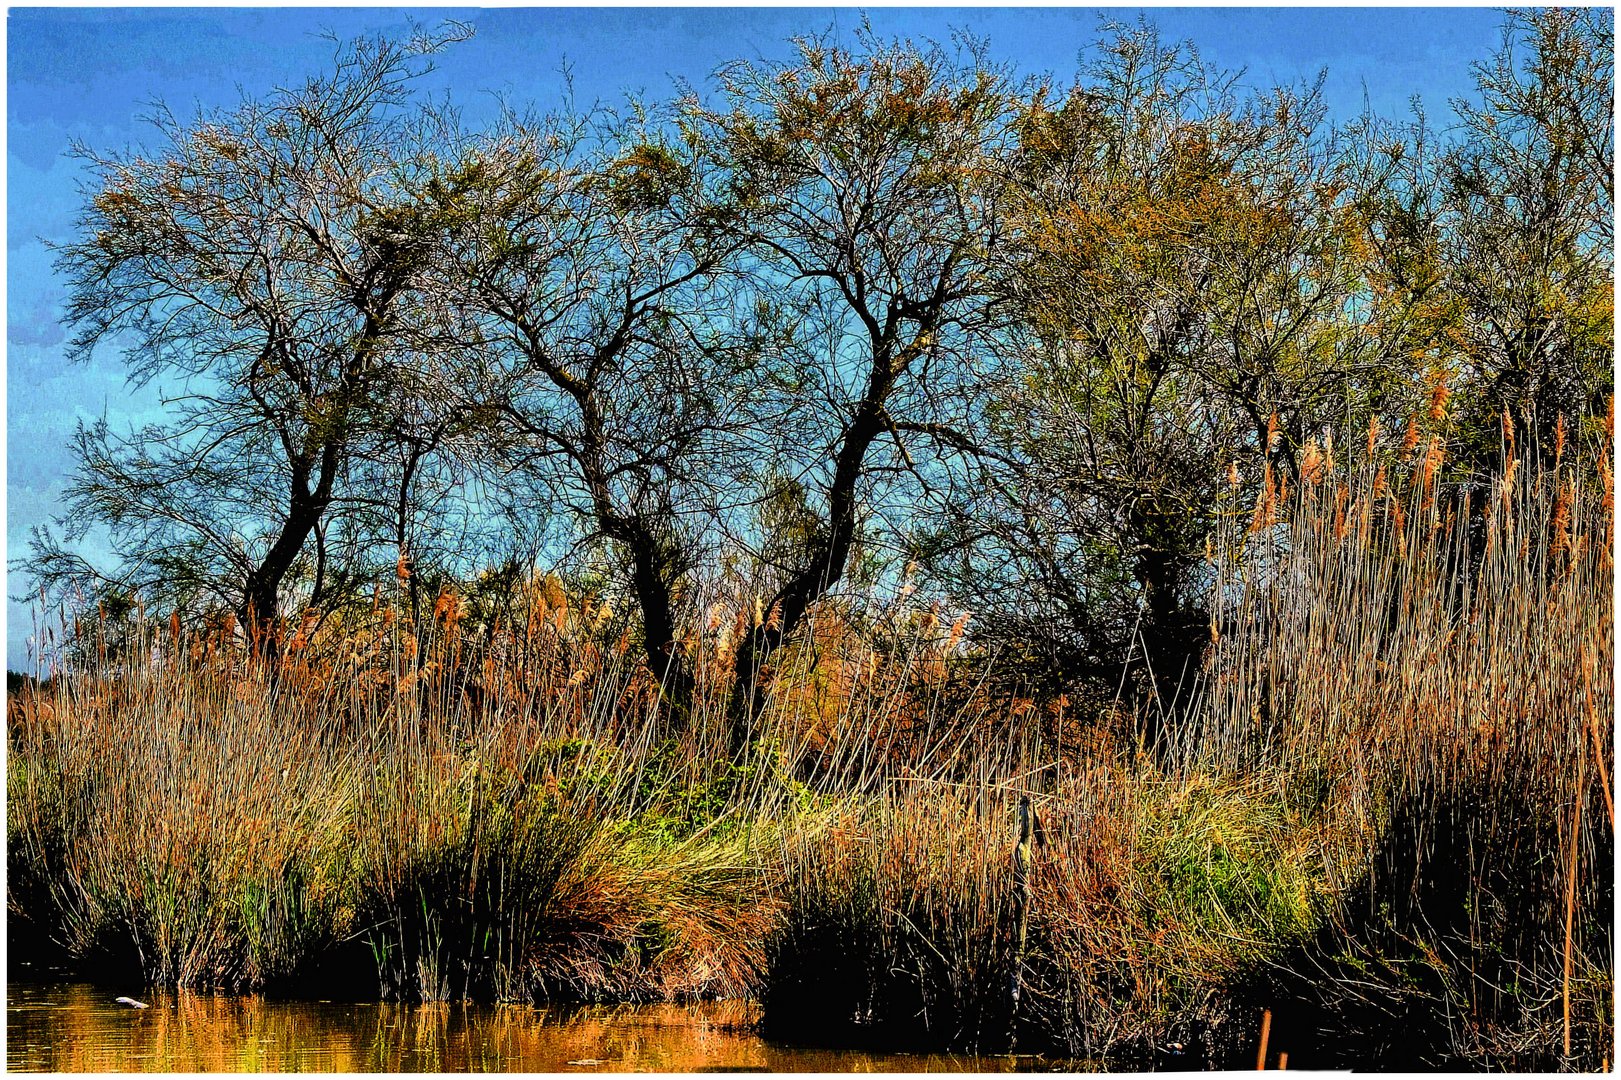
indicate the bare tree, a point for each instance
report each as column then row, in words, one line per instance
column 598, row 288
column 267, row 260
column 864, row 181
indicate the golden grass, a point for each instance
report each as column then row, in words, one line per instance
column 1388, row 797
column 1433, row 663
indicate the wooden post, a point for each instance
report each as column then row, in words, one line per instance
column 1266, row 1030
column 1283, row 1061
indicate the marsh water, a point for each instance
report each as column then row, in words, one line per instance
column 59, row 1026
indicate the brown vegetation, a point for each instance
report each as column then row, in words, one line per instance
column 1388, row 799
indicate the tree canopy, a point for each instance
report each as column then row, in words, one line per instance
column 874, row 306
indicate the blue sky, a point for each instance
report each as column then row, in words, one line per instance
column 89, row 75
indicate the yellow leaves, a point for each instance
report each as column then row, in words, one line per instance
column 1327, row 191
column 646, row 177
column 220, row 142
column 1357, row 246
column 113, row 202
column 1040, row 130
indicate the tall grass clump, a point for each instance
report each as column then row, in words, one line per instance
column 896, row 930
column 483, row 819
column 1431, row 664
column 1159, row 889
column 1102, row 923
column 1384, row 811
column 177, row 820
column 512, row 861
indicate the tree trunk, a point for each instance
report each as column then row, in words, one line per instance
column 1173, row 634
column 261, row 599
column 649, row 578
column 824, row 569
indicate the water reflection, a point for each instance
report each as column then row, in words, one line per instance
column 75, row 1027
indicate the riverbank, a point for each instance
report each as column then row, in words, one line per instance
column 1386, row 817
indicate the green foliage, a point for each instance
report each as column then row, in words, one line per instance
column 1227, row 869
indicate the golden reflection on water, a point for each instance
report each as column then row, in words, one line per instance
column 75, row 1027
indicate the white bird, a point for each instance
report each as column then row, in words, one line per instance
column 132, row 1003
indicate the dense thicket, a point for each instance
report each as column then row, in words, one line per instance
column 863, row 309
column 964, row 562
